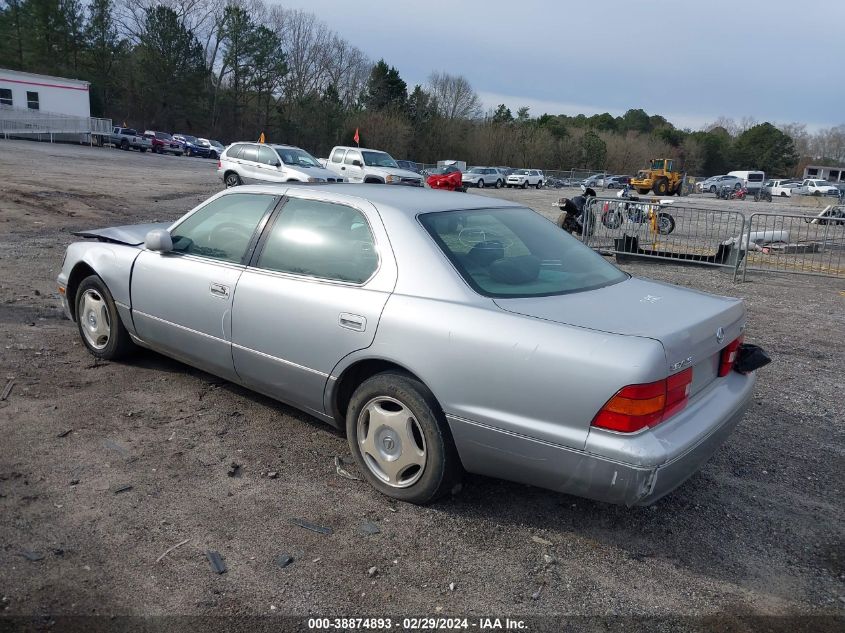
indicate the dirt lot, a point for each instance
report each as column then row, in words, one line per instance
column 759, row 531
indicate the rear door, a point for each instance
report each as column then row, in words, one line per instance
column 247, row 160
column 182, row 300
column 312, row 294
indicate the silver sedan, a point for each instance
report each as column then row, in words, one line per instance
column 444, row 332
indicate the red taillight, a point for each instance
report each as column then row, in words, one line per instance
column 637, row 406
column 726, row 360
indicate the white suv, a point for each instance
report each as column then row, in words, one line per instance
column 255, row 163
column 525, row 178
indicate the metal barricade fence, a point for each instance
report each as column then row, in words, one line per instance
column 796, row 243
column 647, row 228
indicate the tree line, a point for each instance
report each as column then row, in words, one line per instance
column 232, row 69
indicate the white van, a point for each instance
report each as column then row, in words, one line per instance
column 751, row 180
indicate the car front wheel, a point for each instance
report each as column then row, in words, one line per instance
column 98, row 322
column 400, row 439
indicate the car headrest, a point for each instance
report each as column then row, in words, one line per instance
column 515, row 270
column 485, row 253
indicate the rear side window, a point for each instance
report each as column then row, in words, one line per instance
column 322, row 240
column 249, row 152
column 223, row 228
column 514, row 252
column 337, row 155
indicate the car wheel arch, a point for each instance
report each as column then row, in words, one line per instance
column 353, row 376
column 80, row 271
column 371, row 180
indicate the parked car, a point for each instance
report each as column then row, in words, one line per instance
column 448, row 177
column 163, row 143
column 782, row 188
column 715, row 183
column 253, row 163
column 409, row 165
column 127, row 138
column 216, row 148
column 525, row 178
column 483, row 177
column 193, row 146
column 359, row 164
column 594, row 181
column 382, row 311
column 815, row 187
column 617, row 182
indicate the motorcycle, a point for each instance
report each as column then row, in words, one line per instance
column 572, row 219
column 635, row 212
column 728, row 193
column 763, row 194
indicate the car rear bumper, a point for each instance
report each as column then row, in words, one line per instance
column 636, row 479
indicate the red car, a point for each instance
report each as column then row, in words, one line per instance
column 449, row 178
column 163, row 143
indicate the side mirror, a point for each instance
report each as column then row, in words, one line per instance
column 357, row 163
column 277, row 163
column 158, row 240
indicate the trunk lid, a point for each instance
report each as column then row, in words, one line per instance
column 688, row 323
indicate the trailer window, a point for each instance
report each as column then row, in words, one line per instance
column 5, row 96
column 32, row 100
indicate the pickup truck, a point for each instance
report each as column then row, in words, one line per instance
column 359, row 164
column 128, row 138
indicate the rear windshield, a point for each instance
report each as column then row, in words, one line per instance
column 755, row 177
column 515, row 252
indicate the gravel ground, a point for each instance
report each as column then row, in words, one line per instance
column 757, row 532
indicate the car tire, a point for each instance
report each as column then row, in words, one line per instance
column 712, row 188
column 124, row 145
column 525, row 184
column 143, row 150
column 499, row 184
column 411, row 428
column 481, row 184
column 232, row 179
column 539, row 184
column 100, row 328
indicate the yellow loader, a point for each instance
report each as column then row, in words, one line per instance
column 661, row 178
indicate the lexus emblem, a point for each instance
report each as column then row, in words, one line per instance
column 720, row 335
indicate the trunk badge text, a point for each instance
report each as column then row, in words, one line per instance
column 650, row 299
column 682, row 363
column 720, row 335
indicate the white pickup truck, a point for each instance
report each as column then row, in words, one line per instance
column 359, row 164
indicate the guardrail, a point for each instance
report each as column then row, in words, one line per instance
column 796, row 243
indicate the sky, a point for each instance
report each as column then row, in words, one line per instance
column 773, row 60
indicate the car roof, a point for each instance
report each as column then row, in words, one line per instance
column 392, row 198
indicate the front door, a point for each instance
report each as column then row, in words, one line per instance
column 353, row 173
column 182, row 300
column 313, row 294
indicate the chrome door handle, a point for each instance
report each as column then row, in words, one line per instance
column 219, row 290
column 352, row 322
